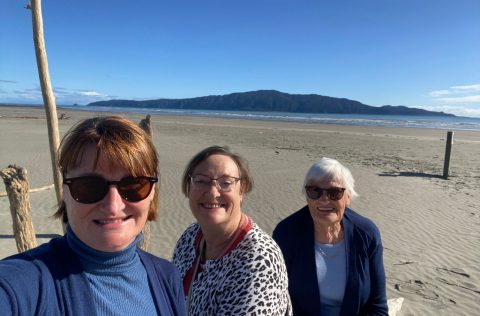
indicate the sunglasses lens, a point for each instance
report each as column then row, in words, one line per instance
column 135, row 189
column 335, row 194
column 91, row 189
column 313, row 193
column 88, row 189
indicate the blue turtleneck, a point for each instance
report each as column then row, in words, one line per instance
column 118, row 280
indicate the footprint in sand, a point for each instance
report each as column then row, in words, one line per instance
column 418, row 287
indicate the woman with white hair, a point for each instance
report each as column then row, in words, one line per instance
column 334, row 256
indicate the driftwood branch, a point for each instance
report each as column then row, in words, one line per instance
column 145, row 124
column 16, row 183
column 47, row 92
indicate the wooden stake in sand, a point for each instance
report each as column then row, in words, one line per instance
column 145, row 124
column 47, row 92
column 16, row 183
column 448, row 150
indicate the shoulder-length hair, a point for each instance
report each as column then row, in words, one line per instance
column 117, row 139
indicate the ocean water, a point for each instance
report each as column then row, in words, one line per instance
column 437, row 122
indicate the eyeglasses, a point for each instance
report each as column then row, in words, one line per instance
column 224, row 184
column 333, row 194
column 91, row 189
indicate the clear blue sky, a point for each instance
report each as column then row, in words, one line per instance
column 417, row 53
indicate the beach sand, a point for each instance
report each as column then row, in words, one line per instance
column 430, row 227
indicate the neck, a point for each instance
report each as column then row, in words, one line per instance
column 217, row 239
column 328, row 234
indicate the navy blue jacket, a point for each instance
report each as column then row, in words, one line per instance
column 365, row 292
column 48, row 280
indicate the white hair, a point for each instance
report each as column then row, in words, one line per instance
column 328, row 169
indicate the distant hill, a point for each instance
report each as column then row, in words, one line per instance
column 271, row 101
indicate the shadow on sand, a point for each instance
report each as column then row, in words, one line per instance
column 409, row 174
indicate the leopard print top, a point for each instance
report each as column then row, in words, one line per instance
column 249, row 280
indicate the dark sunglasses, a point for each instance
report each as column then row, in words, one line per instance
column 91, row 189
column 333, row 194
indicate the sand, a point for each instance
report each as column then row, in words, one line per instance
column 430, row 226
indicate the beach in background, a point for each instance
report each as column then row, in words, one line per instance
column 430, row 226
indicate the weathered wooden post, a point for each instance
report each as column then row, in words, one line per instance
column 448, row 150
column 16, row 183
column 47, row 92
column 146, row 126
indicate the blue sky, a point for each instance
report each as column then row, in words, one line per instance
column 417, row 53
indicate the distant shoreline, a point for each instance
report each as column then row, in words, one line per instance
column 455, row 123
column 272, row 101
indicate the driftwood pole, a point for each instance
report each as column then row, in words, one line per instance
column 145, row 124
column 16, row 184
column 47, row 92
column 448, row 150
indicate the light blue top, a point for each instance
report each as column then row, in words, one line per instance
column 330, row 260
column 118, row 280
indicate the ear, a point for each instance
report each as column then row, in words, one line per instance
column 348, row 199
column 241, row 194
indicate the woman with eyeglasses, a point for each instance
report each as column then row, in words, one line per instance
column 228, row 264
column 110, row 171
column 334, row 256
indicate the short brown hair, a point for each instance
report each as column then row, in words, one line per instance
column 121, row 141
column 246, row 179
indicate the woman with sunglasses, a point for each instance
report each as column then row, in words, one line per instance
column 228, row 264
column 110, row 171
column 334, row 256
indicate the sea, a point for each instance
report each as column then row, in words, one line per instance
column 454, row 123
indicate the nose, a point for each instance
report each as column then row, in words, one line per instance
column 113, row 202
column 214, row 188
column 324, row 197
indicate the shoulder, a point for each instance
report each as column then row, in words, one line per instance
column 186, row 240
column 26, row 278
column 361, row 230
column 295, row 221
column 361, row 224
column 184, row 252
column 30, row 261
column 164, row 269
column 160, row 264
column 259, row 249
column 259, row 240
column 294, row 226
column 188, row 236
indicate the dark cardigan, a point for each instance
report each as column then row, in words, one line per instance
column 48, row 280
column 365, row 292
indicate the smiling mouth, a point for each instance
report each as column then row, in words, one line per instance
column 212, row 205
column 111, row 221
column 326, row 209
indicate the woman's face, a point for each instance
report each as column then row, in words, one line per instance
column 210, row 206
column 325, row 211
column 112, row 223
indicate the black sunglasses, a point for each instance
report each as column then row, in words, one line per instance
column 91, row 189
column 333, row 194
